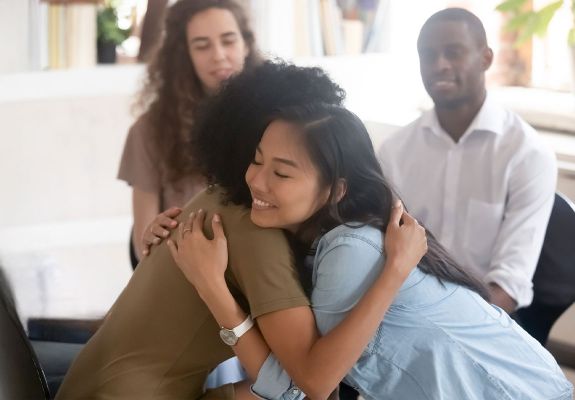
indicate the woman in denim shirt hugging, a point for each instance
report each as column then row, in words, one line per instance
column 425, row 333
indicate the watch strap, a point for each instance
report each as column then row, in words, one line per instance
column 243, row 327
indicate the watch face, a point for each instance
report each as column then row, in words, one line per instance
column 228, row 337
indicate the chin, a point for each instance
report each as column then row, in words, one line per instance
column 448, row 102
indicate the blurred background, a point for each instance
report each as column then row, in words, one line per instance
column 70, row 71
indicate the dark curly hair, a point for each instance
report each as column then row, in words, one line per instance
column 230, row 124
column 172, row 89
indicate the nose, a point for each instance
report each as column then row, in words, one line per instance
column 219, row 52
column 441, row 63
column 256, row 178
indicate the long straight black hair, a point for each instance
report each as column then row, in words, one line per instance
column 340, row 148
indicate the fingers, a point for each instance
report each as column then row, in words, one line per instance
column 396, row 212
column 173, row 249
column 217, row 227
column 198, row 222
column 172, row 212
column 408, row 219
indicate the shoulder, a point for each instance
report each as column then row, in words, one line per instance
column 401, row 137
column 527, row 143
column 354, row 235
column 241, row 232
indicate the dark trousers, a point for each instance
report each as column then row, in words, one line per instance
column 538, row 319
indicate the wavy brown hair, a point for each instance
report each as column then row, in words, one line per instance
column 172, row 89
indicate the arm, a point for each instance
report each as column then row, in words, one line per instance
column 309, row 359
column 518, row 244
column 145, row 206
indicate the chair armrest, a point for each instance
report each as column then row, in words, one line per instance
column 62, row 329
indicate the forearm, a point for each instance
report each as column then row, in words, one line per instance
column 145, row 207
column 315, row 364
column 350, row 337
column 251, row 349
column 501, row 298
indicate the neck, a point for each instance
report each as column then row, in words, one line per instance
column 456, row 120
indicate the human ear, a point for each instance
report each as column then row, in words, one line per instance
column 487, row 58
column 340, row 189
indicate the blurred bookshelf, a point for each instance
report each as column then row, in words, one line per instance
column 62, row 34
column 317, row 28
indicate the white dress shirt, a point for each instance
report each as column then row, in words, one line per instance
column 487, row 198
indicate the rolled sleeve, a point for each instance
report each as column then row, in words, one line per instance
column 273, row 382
column 520, row 238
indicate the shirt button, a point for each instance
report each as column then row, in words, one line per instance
column 295, row 391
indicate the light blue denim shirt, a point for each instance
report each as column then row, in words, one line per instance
column 437, row 341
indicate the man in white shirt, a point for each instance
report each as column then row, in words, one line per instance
column 477, row 175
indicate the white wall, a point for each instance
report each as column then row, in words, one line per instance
column 14, row 34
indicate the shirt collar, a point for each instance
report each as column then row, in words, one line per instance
column 490, row 118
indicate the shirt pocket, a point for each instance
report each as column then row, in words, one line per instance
column 481, row 228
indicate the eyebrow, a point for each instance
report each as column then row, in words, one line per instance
column 286, row 161
column 225, row 35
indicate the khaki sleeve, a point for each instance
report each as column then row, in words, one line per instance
column 263, row 265
column 139, row 163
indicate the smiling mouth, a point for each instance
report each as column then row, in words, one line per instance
column 258, row 204
column 222, row 73
column 443, row 84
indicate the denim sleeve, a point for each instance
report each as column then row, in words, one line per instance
column 273, row 382
column 344, row 270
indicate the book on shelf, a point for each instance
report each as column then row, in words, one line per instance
column 62, row 33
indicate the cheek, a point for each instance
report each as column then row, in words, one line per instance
column 198, row 62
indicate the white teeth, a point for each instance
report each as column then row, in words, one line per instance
column 261, row 203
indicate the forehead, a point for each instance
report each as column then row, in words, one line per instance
column 283, row 136
column 441, row 34
column 213, row 21
column 285, row 140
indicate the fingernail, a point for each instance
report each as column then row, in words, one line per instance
column 156, row 240
column 165, row 233
column 200, row 211
column 397, row 203
column 145, row 252
column 192, row 214
column 174, row 223
column 216, row 218
column 170, row 242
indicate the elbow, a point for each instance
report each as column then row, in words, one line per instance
column 317, row 390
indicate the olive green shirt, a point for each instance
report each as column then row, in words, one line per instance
column 159, row 340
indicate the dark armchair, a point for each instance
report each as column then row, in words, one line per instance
column 554, row 280
column 21, row 376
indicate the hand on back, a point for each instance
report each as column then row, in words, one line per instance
column 159, row 229
column 203, row 261
column 405, row 241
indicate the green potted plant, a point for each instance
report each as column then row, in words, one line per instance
column 526, row 22
column 109, row 33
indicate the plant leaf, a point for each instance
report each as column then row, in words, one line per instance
column 519, row 21
column 544, row 17
column 510, row 5
column 571, row 37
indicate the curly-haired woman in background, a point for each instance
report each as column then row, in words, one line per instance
column 204, row 43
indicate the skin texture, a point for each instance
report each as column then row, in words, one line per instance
column 216, row 47
column 283, row 181
column 452, row 63
column 308, row 358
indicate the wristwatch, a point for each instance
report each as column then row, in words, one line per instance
column 231, row 336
